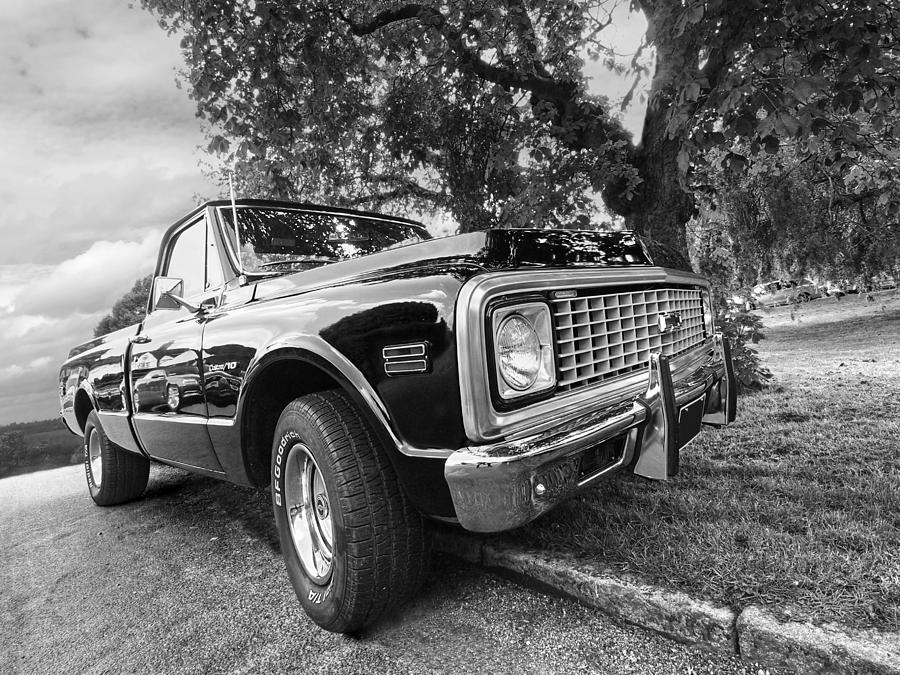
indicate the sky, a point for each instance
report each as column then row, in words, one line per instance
column 99, row 154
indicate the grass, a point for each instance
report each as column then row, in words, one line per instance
column 796, row 505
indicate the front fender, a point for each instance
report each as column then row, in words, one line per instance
column 317, row 352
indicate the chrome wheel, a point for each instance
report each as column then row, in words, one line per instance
column 309, row 513
column 95, row 456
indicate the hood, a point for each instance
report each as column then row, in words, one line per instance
column 468, row 254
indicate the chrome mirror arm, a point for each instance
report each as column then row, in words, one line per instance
column 193, row 309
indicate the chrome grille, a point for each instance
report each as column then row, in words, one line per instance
column 602, row 336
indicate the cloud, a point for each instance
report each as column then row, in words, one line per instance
column 99, row 142
column 16, row 370
column 15, row 327
column 99, row 156
column 50, row 309
column 120, row 202
column 30, row 368
column 92, row 281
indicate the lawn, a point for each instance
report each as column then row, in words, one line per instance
column 796, row 505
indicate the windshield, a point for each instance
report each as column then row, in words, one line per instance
column 282, row 240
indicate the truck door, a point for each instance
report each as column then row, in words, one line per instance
column 166, row 366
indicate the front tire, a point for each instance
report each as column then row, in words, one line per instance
column 114, row 475
column 354, row 547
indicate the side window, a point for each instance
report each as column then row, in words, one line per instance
column 214, row 275
column 187, row 257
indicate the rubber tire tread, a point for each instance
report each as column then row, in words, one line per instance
column 125, row 474
column 387, row 546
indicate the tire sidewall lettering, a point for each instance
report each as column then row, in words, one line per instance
column 286, row 441
column 92, row 483
column 315, row 598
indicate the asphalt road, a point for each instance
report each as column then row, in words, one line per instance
column 190, row 579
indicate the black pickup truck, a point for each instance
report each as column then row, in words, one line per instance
column 372, row 377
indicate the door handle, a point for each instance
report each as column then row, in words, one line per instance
column 139, row 339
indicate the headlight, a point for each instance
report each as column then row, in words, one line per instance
column 523, row 351
column 518, row 352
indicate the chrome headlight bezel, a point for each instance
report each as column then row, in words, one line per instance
column 537, row 316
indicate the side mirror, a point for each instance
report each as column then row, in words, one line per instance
column 163, row 290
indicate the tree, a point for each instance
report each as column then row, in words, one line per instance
column 13, row 448
column 792, row 215
column 128, row 310
column 473, row 106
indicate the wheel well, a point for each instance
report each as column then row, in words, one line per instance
column 83, row 407
column 280, row 383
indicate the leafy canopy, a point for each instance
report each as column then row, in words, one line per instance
column 483, row 108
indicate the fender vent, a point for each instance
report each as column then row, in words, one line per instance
column 405, row 359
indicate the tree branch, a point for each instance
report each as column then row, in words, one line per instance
column 543, row 86
column 406, row 188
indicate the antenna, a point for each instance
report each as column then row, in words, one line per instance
column 237, row 235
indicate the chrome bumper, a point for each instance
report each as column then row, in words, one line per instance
column 507, row 484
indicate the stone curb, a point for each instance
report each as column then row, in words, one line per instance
column 754, row 633
column 811, row 649
column 673, row 614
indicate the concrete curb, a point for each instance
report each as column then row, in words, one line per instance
column 673, row 614
column 812, row 649
column 753, row 633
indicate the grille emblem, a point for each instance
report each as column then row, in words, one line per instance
column 668, row 322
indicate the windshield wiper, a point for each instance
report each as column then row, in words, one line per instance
column 315, row 259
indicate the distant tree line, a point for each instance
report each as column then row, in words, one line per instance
column 34, row 446
column 128, row 310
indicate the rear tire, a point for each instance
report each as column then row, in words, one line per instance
column 114, row 475
column 354, row 546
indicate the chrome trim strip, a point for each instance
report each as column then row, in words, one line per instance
column 185, row 419
column 392, row 368
column 481, row 421
column 403, row 351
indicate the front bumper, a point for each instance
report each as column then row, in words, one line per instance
column 506, row 484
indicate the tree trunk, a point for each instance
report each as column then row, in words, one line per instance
column 661, row 208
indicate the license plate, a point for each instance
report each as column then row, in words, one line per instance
column 689, row 421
